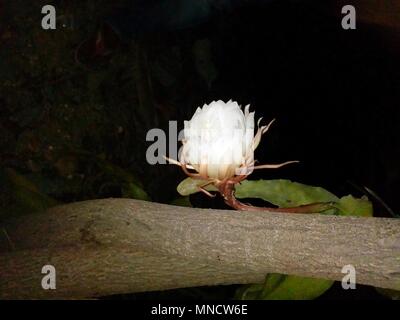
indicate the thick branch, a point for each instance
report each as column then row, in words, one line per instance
column 112, row 246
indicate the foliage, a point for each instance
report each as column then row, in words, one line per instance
column 23, row 195
column 283, row 193
column 282, row 287
column 76, row 131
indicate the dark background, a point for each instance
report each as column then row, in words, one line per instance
column 75, row 113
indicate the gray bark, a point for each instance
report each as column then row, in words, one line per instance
column 112, row 246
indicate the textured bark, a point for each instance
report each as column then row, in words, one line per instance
column 112, row 246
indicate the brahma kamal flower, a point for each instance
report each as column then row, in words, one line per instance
column 219, row 143
column 218, row 148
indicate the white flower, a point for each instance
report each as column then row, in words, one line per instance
column 219, row 144
column 219, row 141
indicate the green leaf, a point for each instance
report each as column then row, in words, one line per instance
column 249, row 292
column 283, row 193
column 350, row 206
column 259, row 291
column 190, row 186
column 282, row 287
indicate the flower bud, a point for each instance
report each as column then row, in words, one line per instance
column 219, row 141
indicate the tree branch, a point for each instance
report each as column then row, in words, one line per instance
column 111, row 246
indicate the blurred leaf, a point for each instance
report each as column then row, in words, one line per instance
column 26, row 198
column 131, row 187
column 134, row 191
column 182, row 202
